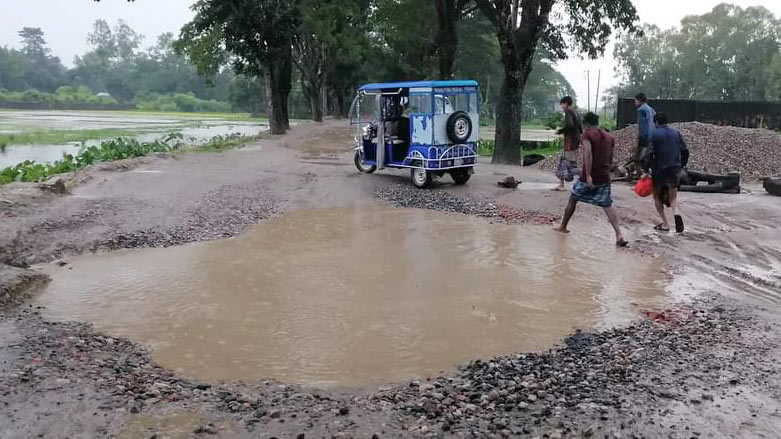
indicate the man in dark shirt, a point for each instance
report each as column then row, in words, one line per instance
column 572, row 130
column 645, row 129
column 667, row 155
column 594, row 184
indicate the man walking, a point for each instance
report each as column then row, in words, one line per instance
column 645, row 127
column 666, row 156
column 594, row 184
column 572, row 130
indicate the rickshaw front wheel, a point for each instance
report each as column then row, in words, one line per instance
column 421, row 178
column 361, row 167
column 460, row 175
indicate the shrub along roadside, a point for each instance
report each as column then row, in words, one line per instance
column 486, row 148
column 111, row 150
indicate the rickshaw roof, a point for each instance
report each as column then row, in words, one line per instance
column 417, row 84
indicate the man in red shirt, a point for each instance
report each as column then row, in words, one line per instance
column 594, row 184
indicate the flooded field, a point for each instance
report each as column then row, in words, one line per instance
column 196, row 128
column 347, row 297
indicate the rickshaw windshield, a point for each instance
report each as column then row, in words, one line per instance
column 365, row 108
column 443, row 104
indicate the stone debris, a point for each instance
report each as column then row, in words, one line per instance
column 754, row 153
column 408, row 196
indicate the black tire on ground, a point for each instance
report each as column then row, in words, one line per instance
column 459, row 127
column 703, row 188
column 361, row 167
column 461, row 175
column 772, row 186
column 530, row 159
column 421, row 178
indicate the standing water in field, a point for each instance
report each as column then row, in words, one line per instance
column 347, row 297
column 195, row 130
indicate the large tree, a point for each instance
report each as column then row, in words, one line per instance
column 521, row 25
column 725, row 54
column 449, row 12
column 329, row 35
column 42, row 71
column 256, row 36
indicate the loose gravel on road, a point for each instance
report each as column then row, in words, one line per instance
column 407, row 196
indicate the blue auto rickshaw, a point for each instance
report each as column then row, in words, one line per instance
column 429, row 127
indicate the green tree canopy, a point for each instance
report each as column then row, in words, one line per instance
column 726, row 54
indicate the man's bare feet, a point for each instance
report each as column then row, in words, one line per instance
column 561, row 229
column 559, row 189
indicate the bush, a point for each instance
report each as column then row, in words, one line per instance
column 609, row 124
column 110, row 150
column 180, row 102
column 555, row 120
column 64, row 95
column 485, row 147
column 117, row 149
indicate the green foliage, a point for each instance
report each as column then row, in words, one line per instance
column 179, row 102
column 63, row 95
column 110, row 150
column 554, row 121
column 608, row 124
column 486, row 148
column 63, row 136
column 726, row 54
column 221, row 143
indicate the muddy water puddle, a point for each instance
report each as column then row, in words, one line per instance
column 348, row 297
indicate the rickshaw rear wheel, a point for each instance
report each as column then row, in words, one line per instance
column 421, row 178
column 460, row 176
column 361, row 167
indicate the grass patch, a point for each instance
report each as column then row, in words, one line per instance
column 486, row 148
column 111, row 150
column 221, row 143
column 235, row 117
column 65, row 136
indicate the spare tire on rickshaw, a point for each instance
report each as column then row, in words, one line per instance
column 459, row 127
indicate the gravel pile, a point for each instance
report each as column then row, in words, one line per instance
column 589, row 379
column 755, row 153
column 71, row 357
column 220, row 214
column 402, row 195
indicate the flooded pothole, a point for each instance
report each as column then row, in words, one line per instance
column 349, row 297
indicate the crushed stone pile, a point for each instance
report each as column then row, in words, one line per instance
column 407, row 196
column 755, row 153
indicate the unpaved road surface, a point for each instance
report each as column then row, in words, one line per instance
column 707, row 368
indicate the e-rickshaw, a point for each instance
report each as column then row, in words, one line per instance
column 429, row 127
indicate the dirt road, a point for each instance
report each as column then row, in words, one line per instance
column 708, row 368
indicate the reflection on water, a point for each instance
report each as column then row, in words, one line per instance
column 355, row 296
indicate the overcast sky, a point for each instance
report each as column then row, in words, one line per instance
column 67, row 22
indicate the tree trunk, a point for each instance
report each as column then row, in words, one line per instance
column 447, row 37
column 277, row 80
column 507, row 148
column 517, row 47
column 342, row 109
column 316, row 105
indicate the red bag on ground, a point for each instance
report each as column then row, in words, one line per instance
column 644, row 187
